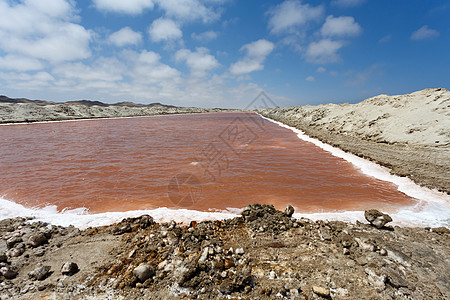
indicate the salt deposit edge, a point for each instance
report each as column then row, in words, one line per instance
column 432, row 209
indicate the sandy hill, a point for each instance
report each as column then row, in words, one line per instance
column 421, row 118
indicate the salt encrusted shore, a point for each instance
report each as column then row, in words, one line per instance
column 263, row 254
column 409, row 134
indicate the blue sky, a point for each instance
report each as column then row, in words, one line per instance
column 222, row 53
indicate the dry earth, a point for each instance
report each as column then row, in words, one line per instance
column 264, row 254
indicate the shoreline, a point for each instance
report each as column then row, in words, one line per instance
column 425, row 163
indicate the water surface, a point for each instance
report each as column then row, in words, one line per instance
column 201, row 161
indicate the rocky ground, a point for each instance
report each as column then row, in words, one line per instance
column 409, row 134
column 24, row 110
column 263, row 254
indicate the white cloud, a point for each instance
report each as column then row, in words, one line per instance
column 424, row 33
column 125, row 36
column 189, row 10
column 148, row 69
column 323, row 51
column 124, row 6
column 254, row 59
column 199, row 62
column 204, row 36
column 291, row 14
column 34, row 31
column 20, row 63
column 310, row 78
column 320, row 70
column 101, row 70
column 164, row 30
column 348, row 3
column 340, row 27
column 53, row 8
column 385, row 38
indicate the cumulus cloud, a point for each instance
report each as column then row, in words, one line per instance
column 348, row 3
column 103, row 69
column 292, row 14
column 323, row 51
column 124, row 6
column 256, row 54
column 310, row 78
column 199, row 62
column 189, row 10
column 20, row 63
column 125, row 36
column 424, row 33
column 340, row 27
column 204, row 36
column 148, row 69
column 164, row 30
column 43, row 30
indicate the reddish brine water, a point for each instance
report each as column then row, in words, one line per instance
column 200, row 161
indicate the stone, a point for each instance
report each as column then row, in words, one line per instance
column 37, row 239
column 377, row 218
column 8, row 273
column 346, row 240
column 289, row 210
column 16, row 252
column 321, row 291
column 325, row 234
column 40, row 273
column 229, row 263
column 377, row 281
column 204, row 255
column 3, row 258
column 69, row 268
column 11, row 242
column 144, row 272
column 239, row 251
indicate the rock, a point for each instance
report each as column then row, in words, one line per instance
column 204, row 255
column 3, row 258
column 289, row 210
column 40, row 273
column 239, row 251
column 321, row 291
column 12, row 241
column 378, row 281
column 440, row 230
column 37, row 239
column 16, row 252
column 395, row 279
column 325, row 234
column 8, row 273
column 229, row 263
column 346, row 240
column 69, row 268
column 144, row 272
column 377, row 218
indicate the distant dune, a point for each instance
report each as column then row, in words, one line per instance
column 421, row 118
column 24, row 110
